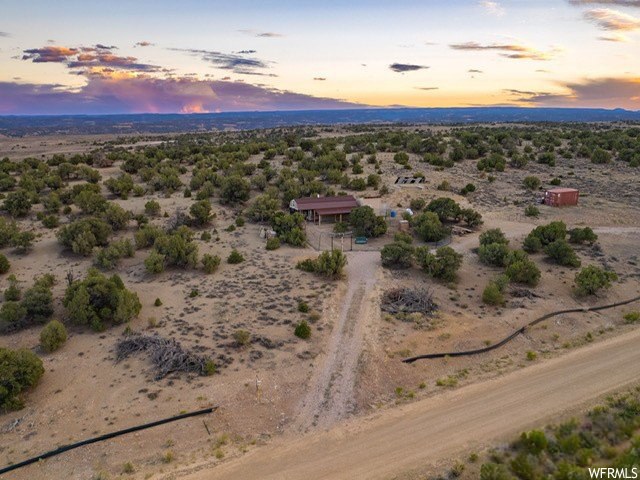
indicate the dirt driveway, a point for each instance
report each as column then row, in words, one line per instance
column 330, row 394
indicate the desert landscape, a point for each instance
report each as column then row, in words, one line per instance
column 301, row 240
column 225, row 297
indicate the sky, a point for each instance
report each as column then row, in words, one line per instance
column 191, row 56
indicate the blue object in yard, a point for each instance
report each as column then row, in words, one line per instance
column 361, row 240
column 393, row 214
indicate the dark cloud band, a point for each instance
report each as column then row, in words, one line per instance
column 406, row 67
column 599, row 92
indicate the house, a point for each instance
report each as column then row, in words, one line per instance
column 315, row 208
column 561, row 197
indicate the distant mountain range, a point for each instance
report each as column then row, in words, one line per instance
column 15, row 125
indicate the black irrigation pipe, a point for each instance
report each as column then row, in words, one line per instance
column 520, row 331
column 107, row 436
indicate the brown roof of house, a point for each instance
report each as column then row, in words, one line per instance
column 317, row 203
column 333, row 211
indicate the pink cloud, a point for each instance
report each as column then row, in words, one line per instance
column 99, row 56
column 49, row 54
column 598, row 93
column 104, row 94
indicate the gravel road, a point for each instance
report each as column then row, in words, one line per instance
column 417, row 435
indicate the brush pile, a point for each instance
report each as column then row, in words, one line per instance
column 408, row 300
column 166, row 355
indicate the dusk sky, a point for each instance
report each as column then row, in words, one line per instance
column 207, row 56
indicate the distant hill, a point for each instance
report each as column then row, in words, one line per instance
column 13, row 125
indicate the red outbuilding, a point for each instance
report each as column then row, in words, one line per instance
column 561, row 197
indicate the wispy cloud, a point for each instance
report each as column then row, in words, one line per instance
column 496, row 104
column 4, row 34
column 492, row 7
column 507, row 50
column 319, row 79
column 523, row 93
column 240, row 64
column 427, row 88
column 144, row 43
column 622, row 3
column 614, row 37
column 474, row 70
column 612, row 20
column 406, row 67
column 259, row 34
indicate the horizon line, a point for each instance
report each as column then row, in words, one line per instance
column 366, row 108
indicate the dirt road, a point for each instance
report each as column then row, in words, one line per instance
column 330, row 394
column 419, row 434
